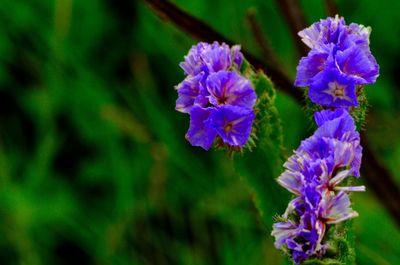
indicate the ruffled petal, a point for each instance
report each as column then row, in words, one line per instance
column 337, row 208
column 199, row 133
column 233, row 124
column 309, row 67
column 189, row 93
column 283, row 231
column 359, row 64
column 333, row 89
column 230, row 88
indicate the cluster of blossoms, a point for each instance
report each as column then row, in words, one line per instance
column 339, row 61
column 217, row 97
column 313, row 173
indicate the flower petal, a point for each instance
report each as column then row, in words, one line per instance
column 309, row 67
column 232, row 123
column 230, row 88
column 189, row 93
column 337, row 208
column 333, row 89
column 359, row 64
column 199, row 133
column 283, row 231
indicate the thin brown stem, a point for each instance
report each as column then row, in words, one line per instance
column 295, row 20
column 264, row 44
column 330, row 8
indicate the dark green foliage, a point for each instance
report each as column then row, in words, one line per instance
column 359, row 114
column 310, row 108
column 94, row 166
column 262, row 159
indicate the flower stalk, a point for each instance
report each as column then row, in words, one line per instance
column 315, row 229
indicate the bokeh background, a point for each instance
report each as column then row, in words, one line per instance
column 94, row 166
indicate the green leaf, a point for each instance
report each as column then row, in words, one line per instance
column 261, row 160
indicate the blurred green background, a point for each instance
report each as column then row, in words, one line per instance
column 94, row 166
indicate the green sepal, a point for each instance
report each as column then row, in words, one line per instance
column 359, row 113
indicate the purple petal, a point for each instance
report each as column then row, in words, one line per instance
column 294, row 204
column 336, row 128
column 339, row 177
column 199, row 133
column 323, row 32
column 355, row 35
column 217, row 57
column 237, row 56
column 343, row 152
column 328, row 115
column 292, row 180
column 230, row 88
column 232, row 123
column 311, row 195
column 283, row 231
column 309, row 67
column 333, row 89
column 311, row 36
column 335, row 124
column 356, row 163
column 188, row 92
column 193, row 64
column 211, row 58
column 351, row 189
column 337, row 208
column 359, row 64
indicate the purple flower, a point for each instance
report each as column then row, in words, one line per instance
column 324, row 116
column 293, row 178
column 335, row 209
column 237, row 56
column 339, row 60
column 284, row 231
column 191, row 92
column 358, row 64
column 217, row 57
column 323, row 32
column 233, row 124
column 337, row 130
column 218, row 99
column 313, row 173
column 211, row 58
column 355, row 35
column 333, row 89
column 199, row 134
column 230, row 88
column 193, row 64
column 339, row 125
column 311, row 65
column 302, row 239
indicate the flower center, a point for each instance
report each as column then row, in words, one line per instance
column 336, row 90
column 339, row 91
column 222, row 100
column 228, row 127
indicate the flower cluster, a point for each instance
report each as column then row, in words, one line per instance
column 217, row 97
column 338, row 62
column 313, row 174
